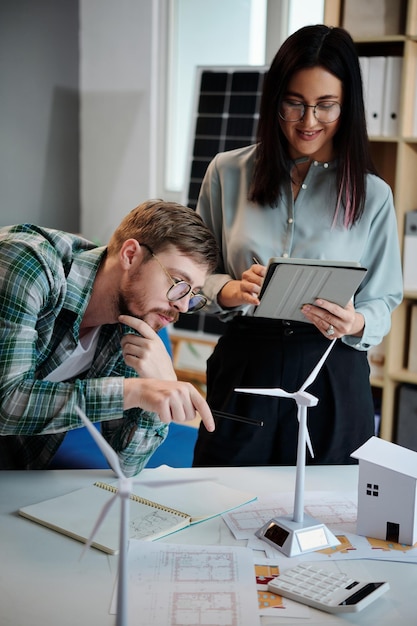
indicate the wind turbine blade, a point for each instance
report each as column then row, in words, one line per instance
column 309, row 444
column 311, row 378
column 106, row 508
column 106, row 449
column 277, row 392
column 308, row 438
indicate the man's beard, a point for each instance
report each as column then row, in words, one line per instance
column 124, row 308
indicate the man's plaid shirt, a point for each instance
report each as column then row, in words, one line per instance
column 46, row 280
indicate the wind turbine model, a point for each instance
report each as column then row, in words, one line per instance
column 124, row 491
column 301, row 533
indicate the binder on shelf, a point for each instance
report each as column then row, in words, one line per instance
column 375, row 94
column 410, row 251
column 392, row 95
column 364, row 64
column 406, row 435
column 412, row 344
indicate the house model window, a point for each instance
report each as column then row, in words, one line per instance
column 372, row 490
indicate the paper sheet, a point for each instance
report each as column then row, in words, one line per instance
column 337, row 511
column 187, row 584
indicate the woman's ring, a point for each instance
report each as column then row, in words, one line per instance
column 330, row 330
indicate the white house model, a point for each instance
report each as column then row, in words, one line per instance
column 387, row 491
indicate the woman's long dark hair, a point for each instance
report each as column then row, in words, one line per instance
column 334, row 50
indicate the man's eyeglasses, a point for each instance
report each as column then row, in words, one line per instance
column 180, row 288
column 325, row 112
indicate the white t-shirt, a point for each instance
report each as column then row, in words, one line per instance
column 79, row 361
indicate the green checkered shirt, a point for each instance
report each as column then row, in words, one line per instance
column 46, row 280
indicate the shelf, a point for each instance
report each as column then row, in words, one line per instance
column 396, row 160
column 190, row 354
column 377, row 382
column 384, row 39
column 404, row 376
column 383, row 139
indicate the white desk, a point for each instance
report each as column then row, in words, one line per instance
column 43, row 582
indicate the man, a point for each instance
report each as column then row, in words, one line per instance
column 78, row 327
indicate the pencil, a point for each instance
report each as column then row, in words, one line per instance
column 237, row 418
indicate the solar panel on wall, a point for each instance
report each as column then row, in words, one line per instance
column 225, row 117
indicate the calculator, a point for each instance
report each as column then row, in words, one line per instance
column 327, row 590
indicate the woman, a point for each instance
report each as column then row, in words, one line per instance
column 307, row 189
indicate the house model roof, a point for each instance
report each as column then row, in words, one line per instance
column 388, row 455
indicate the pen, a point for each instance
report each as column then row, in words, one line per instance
column 255, row 260
column 237, row 418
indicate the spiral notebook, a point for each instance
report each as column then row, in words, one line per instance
column 180, row 504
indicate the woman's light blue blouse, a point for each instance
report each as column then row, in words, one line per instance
column 303, row 229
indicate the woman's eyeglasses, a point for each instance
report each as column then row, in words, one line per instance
column 325, row 112
column 180, row 288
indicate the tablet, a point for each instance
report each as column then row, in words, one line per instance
column 291, row 283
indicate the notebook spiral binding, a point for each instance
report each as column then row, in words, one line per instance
column 136, row 498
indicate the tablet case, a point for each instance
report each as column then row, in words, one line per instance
column 291, row 283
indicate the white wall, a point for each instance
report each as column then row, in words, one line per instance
column 39, row 172
column 123, row 94
column 200, row 36
column 119, row 58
